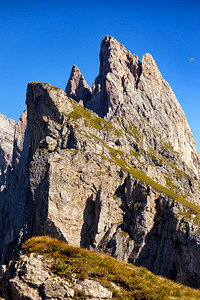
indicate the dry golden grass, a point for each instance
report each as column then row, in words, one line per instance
column 134, row 282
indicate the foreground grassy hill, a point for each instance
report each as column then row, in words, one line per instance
column 125, row 280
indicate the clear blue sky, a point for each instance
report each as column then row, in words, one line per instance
column 41, row 40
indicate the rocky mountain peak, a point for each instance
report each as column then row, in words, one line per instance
column 77, row 88
column 44, row 102
column 149, row 67
column 114, row 57
column 120, row 178
column 137, row 93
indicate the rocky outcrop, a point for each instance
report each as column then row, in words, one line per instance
column 20, row 139
column 77, row 88
column 160, row 233
column 82, row 186
column 50, row 269
column 116, row 186
column 7, row 128
column 16, row 211
column 31, row 278
column 136, row 92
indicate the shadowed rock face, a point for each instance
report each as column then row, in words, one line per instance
column 15, row 209
column 7, row 128
column 114, row 186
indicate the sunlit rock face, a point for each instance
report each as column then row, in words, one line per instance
column 122, row 183
column 77, row 88
column 137, row 92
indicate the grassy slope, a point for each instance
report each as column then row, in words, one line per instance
column 98, row 123
column 134, row 282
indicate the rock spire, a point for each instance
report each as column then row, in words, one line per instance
column 137, row 93
column 77, row 88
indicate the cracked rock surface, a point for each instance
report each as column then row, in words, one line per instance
column 126, row 184
column 31, row 278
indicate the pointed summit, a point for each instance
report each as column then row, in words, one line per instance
column 117, row 66
column 149, row 66
column 115, row 58
column 77, row 88
column 136, row 92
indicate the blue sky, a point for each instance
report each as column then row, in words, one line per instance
column 41, row 40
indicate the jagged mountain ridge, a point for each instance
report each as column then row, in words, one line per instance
column 100, row 184
column 136, row 92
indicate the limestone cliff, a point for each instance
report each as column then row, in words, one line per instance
column 116, row 184
column 15, row 211
column 135, row 91
column 7, row 127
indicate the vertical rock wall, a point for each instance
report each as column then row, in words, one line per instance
column 7, row 128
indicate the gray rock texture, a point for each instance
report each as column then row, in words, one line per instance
column 31, row 278
column 93, row 289
column 15, row 209
column 122, row 184
column 136, row 91
column 20, row 139
column 7, row 128
column 77, row 88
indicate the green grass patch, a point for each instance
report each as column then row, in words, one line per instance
column 119, row 158
column 170, row 184
column 94, row 121
column 134, row 153
column 56, row 123
column 179, row 173
column 90, row 118
column 134, row 282
column 194, row 209
column 56, row 89
column 135, row 132
column 170, row 148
